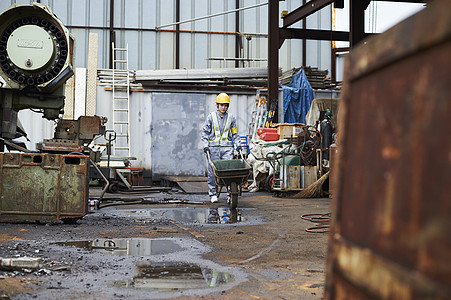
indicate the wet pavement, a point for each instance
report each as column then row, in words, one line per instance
column 187, row 250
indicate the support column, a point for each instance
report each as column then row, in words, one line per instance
column 177, row 34
column 112, row 33
column 237, row 37
column 304, row 41
column 273, row 51
column 357, row 21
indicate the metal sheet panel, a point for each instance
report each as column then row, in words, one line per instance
column 176, row 120
column 391, row 235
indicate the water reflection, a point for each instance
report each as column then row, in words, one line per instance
column 223, row 216
column 212, row 215
column 175, row 276
column 127, row 247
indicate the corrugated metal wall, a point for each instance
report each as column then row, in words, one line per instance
column 150, row 49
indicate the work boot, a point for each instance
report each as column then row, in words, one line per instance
column 214, row 199
column 228, row 199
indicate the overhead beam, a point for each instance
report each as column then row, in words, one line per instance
column 405, row 1
column 313, row 34
column 304, row 11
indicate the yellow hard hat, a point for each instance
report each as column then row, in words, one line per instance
column 222, row 98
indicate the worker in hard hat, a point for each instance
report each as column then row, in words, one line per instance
column 219, row 134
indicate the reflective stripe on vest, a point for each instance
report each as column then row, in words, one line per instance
column 221, row 138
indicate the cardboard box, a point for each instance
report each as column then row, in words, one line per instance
column 286, row 130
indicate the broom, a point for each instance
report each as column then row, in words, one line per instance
column 314, row 190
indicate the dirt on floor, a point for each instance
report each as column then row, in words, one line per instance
column 190, row 250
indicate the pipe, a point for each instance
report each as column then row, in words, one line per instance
column 213, row 15
column 264, row 35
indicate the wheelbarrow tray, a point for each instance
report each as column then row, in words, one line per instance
column 228, row 171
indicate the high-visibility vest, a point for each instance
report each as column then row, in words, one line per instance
column 221, row 138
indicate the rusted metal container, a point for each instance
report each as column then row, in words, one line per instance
column 43, row 187
column 391, row 233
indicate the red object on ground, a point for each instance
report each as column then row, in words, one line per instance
column 269, row 137
column 260, row 131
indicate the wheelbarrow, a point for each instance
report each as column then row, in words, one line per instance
column 230, row 174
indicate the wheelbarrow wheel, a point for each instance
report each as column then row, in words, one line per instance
column 233, row 195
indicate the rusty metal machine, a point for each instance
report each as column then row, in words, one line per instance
column 73, row 135
column 36, row 59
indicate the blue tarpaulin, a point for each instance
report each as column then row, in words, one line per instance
column 297, row 98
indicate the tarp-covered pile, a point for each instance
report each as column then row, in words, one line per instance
column 297, row 98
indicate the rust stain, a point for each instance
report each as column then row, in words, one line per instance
column 249, row 295
column 7, row 237
column 11, row 286
column 23, row 229
column 386, row 217
column 194, row 233
column 389, row 152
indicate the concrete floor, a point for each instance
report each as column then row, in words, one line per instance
column 267, row 255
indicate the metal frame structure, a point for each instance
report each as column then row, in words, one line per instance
column 276, row 35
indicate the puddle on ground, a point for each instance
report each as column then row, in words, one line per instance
column 173, row 276
column 127, row 247
column 212, row 215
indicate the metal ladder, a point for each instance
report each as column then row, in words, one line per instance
column 121, row 101
column 258, row 117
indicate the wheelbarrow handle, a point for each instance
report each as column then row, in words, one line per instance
column 209, row 159
column 241, row 153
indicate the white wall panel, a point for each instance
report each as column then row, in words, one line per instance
column 201, row 9
column 186, row 53
column 132, row 11
column 166, row 43
column 148, row 51
column 36, row 127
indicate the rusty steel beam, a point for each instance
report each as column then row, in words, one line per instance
column 304, row 41
column 273, row 51
column 304, row 11
column 237, row 36
column 357, row 21
column 405, row 1
column 177, row 34
column 313, row 34
column 112, row 33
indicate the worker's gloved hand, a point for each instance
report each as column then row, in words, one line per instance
column 206, row 149
column 238, row 148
